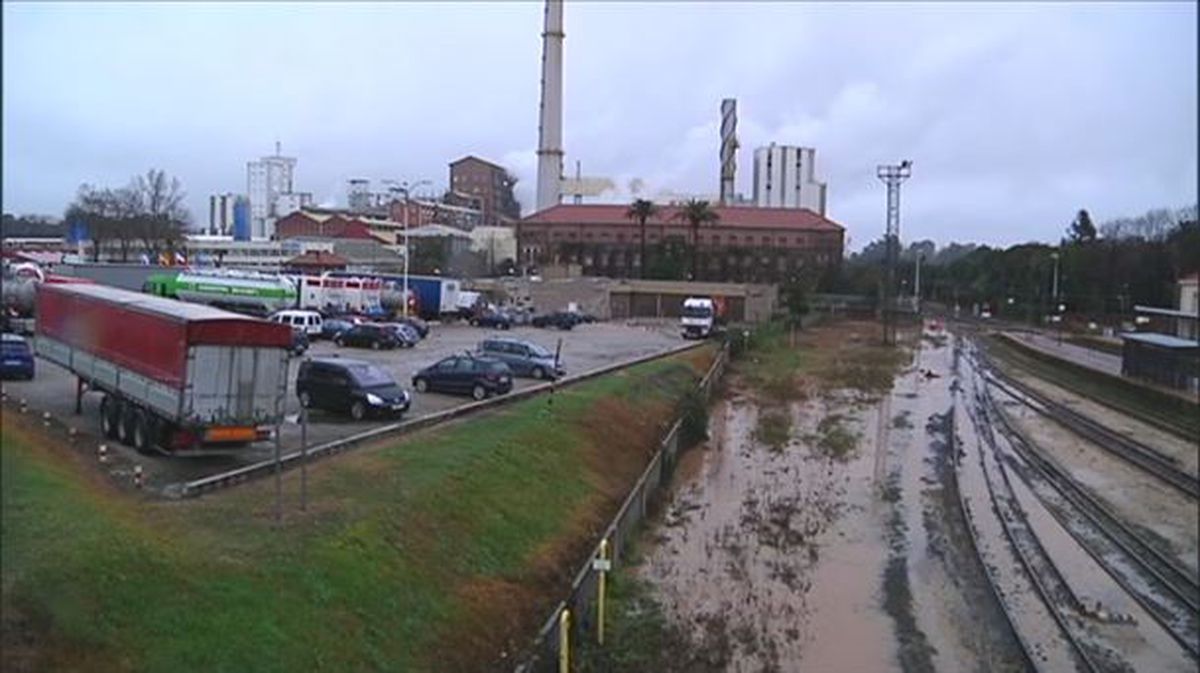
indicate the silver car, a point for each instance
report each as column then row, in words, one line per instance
column 524, row 358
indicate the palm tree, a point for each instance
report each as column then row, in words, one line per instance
column 696, row 212
column 642, row 210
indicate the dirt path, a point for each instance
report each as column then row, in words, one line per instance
column 838, row 548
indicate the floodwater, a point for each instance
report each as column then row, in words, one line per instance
column 805, row 558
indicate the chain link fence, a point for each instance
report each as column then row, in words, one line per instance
column 581, row 601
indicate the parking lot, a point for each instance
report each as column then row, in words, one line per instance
column 584, row 348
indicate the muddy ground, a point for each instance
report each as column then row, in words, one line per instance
column 830, row 538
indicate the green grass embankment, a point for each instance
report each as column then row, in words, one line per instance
column 438, row 552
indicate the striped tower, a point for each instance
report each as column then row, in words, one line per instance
column 729, row 145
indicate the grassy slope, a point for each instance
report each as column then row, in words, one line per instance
column 427, row 554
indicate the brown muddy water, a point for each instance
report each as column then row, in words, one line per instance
column 813, row 555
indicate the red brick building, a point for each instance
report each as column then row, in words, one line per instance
column 745, row 245
column 336, row 225
column 490, row 185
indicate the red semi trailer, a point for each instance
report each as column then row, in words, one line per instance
column 175, row 376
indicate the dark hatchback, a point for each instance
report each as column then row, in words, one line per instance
column 561, row 319
column 16, row 358
column 465, row 374
column 368, row 335
column 353, row 386
column 494, row 319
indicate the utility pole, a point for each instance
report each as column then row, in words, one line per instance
column 892, row 176
column 917, row 285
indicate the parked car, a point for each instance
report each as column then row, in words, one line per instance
column 560, row 319
column 16, row 358
column 332, row 327
column 493, row 319
column 299, row 341
column 470, row 374
column 416, row 323
column 581, row 317
column 407, row 336
column 309, row 321
column 368, row 335
column 524, row 358
column 353, row 386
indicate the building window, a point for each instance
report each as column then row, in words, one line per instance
column 588, row 236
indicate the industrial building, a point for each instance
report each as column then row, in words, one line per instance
column 489, row 184
column 744, row 245
column 222, row 213
column 270, row 187
column 784, row 177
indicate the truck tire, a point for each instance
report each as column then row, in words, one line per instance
column 125, row 424
column 141, row 432
column 109, row 416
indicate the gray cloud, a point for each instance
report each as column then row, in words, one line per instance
column 1015, row 115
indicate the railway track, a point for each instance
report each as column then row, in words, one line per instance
column 1061, row 602
column 1166, row 591
column 1042, row 371
column 965, row 511
column 1150, row 460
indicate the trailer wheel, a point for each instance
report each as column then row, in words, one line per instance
column 125, row 424
column 109, row 416
column 141, row 432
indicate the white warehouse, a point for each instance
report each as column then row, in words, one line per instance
column 784, row 177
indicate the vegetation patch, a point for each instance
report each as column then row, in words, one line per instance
column 437, row 552
column 834, row 439
column 774, row 429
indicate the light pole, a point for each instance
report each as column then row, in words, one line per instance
column 892, row 176
column 407, row 188
column 917, row 285
column 1054, row 290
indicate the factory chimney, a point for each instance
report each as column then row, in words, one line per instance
column 550, row 152
column 729, row 146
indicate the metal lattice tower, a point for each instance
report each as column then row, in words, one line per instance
column 892, row 176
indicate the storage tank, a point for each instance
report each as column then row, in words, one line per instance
column 241, row 219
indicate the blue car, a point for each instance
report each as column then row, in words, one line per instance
column 16, row 358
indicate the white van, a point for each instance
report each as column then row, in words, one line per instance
column 309, row 321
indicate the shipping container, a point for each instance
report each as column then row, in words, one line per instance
column 175, row 376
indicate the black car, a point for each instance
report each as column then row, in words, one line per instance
column 494, row 319
column 358, row 387
column 466, row 374
column 299, row 341
column 368, row 335
column 561, row 319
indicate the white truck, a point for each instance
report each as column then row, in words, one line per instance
column 698, row 318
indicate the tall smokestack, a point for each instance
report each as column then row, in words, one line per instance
column 729, row 145
column 550, row 152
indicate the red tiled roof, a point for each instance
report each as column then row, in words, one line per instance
column 731, row 216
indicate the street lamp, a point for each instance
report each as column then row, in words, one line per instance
column 1054, row 291
column 407, row 188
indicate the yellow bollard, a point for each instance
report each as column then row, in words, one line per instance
column 564, row 641
column 602, row 565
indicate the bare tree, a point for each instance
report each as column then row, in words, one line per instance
column 161, row 217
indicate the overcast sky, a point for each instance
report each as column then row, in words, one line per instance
column 1014, row 115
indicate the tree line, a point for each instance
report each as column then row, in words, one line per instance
column 145, row 216
column 1102, row 271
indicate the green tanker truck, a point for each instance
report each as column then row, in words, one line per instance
column 242, row 291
